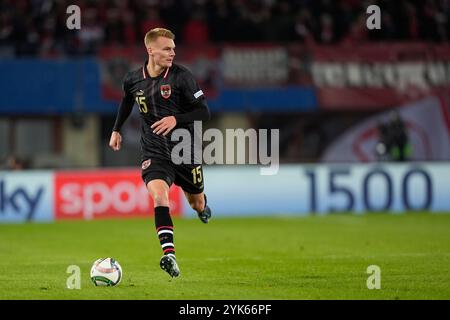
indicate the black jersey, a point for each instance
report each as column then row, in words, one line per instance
column 173, row 93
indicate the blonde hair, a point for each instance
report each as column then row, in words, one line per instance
column 153, row 34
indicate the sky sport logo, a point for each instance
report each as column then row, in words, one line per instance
column 235, row 147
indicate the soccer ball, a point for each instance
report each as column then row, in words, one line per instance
column 106, row 272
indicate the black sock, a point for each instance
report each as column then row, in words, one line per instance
column 164, row 228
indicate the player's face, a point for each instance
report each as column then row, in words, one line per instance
column 163, row 51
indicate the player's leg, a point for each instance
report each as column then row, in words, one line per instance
column 158, row 183
column 159, row 190
column 198, row 202
column 190, row 179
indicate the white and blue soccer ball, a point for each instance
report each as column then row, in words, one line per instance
column 106, row 272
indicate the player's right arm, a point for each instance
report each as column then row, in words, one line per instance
column 125, row 108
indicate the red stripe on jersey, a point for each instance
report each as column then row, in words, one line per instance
column 143, row 72
column 167, row 71
column 166, row 227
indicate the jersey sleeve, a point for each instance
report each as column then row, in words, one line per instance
column 126, row 105
column 195, row 100
column 190, row 89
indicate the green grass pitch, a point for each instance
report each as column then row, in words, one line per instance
column 315, row 257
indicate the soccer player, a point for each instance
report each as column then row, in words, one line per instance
column 168, row 98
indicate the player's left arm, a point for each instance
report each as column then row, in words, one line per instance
column 196, row 101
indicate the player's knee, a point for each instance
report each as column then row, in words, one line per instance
column 160, row 198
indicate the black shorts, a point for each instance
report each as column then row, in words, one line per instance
column 187, row 176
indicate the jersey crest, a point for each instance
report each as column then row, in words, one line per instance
column 166, row 90
column 146, row 164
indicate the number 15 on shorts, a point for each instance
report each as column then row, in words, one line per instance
column 197, row 175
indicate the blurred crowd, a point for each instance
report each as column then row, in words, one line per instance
column 38, row 27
